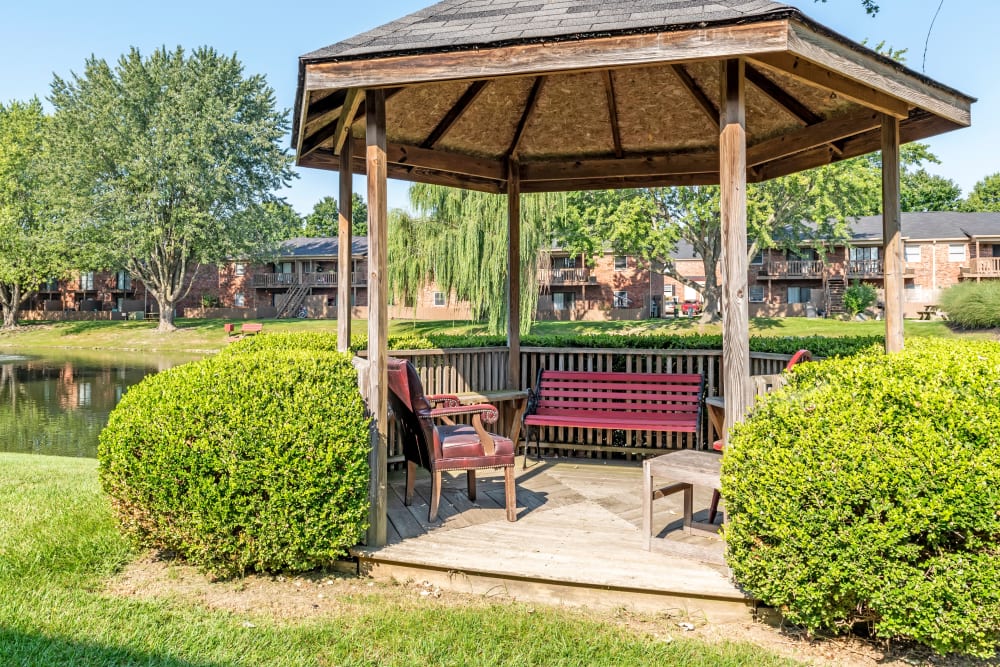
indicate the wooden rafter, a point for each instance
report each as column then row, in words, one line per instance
column 703, row 101
column 529, row 108
column 786, row 101
column 331, row 102
column 323, row 134
column 347, row 114
column 616, row 131
column 456, row 111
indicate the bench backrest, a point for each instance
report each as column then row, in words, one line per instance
column 576, row 392
column 252, row 327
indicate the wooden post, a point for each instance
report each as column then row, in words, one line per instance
column 378, row 316
column 514, row 275
column 892, row 250
column 733, row 195
column 345, row 241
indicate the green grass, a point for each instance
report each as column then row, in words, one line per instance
column 206, row 336
column 58, row 547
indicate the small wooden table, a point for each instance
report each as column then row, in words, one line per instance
column 716, row 408
column 688, row 468
column 517, row 396
column 928, row 312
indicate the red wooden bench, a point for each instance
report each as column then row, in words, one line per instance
column 623, row 401
column 252, row 328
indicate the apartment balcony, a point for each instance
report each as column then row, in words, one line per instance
column 810, row 269
column 872, row 269
column 318, row 279
column 562, row 277
column 984, row 267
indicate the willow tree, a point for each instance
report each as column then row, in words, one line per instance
column 459, row 242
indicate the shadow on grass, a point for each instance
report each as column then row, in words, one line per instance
column 30, row 650
column 765, row 323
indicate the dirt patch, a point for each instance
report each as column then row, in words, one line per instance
column 331, row 594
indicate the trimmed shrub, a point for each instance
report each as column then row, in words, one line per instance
column 973, row 305
column 868, row 490
column 859, row 297
column 242, row 462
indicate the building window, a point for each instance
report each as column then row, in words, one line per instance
column 798, row 294
column 240, row 269
column 562, row 300
column 123, row 281
column 803, row 255
column 564, row 263
column 956, row 252
column 996, row 249
column 912, row 253
column 621, row 299
column 756, row 294
column 862, row 254
column 621, row 262
column 240, row 301
column 87, row 281
column 84, row 394
column 439, row 299
column 758, row 259
column 669, row 291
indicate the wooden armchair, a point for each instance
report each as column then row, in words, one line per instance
column 446, row 446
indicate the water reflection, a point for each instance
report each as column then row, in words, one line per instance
column 57, row 404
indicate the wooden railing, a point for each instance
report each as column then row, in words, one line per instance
column 565, row 276
column 794, row 269
column 984, row 267
column 865, row 267
column 485, row 369
column 317, row 279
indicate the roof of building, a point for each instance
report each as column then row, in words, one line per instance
column 321, row 247
column 931, row 225
column 454, row 24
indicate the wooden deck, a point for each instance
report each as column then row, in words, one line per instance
column 577, row 540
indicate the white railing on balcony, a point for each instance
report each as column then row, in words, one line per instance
column 317, row 279
column 809, row 268
column 565, row 276
column 865, row 267
column 985, row 266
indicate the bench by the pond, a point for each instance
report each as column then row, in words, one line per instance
column 623, row 401
column 248, row 328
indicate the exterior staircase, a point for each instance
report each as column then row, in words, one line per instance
column 835, row 296
column 293, row 301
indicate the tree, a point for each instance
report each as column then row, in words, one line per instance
column 31, row 246
column 166, row 163
column 923, row 191
column 325, row 218
column 985, row 195
column 871, row 7
column 459, row 242
column 284, row 217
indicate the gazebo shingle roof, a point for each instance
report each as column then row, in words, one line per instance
column 464, row 23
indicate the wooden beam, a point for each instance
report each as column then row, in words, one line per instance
column 892, row 216
column 514, row 276
column 871, row 71
column 344, row 244
column 668, row 165
column 621, row 182
column 456, row 111
column 733, row 209
column 616, row 131
column 378, row 317
column 337, row 131
column 781, row 97
column 313, row 141
column 529, row 109
column 699, row 96
column 834, row 82
column 332, row 102
column 821, row 134
column 548, row 57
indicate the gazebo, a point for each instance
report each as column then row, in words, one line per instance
column 521, row 96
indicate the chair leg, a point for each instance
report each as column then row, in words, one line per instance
column 713, row 509
column 510, row 492
column 411, row 477
column 470, row 480
column 435, row 495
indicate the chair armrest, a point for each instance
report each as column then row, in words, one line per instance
column 448, row 400
column 488, row 412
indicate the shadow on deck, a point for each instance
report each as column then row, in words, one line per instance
column 577, row 540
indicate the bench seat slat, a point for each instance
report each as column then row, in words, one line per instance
column 585, row 376
column 614, row 422
column 691, row 397
column 544, row 405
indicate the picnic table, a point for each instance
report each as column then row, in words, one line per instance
column 929, row 311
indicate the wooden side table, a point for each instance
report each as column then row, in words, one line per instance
column 716, row 408
column 518, row 397
column 687, row 468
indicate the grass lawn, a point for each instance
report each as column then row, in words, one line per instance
column 206, row 336
column 59, row 549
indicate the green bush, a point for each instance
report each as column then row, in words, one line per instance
column 868, row 490
column 859, row 297
column 973, row 305
column 242, row 462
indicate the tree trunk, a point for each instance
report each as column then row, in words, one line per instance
column 166, row 316
column 10, row 301
column 9, row 317
column 712, row 292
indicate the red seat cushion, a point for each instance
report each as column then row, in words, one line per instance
column 461, row 448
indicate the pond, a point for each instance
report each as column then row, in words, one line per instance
column 56, row 403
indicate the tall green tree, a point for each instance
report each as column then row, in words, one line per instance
column 923, row 191
column 32, row 247
column 458, row 241
column 166, row 163
column 325, row 218
column 985, row 195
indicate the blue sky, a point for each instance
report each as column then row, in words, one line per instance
column 40, row 38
